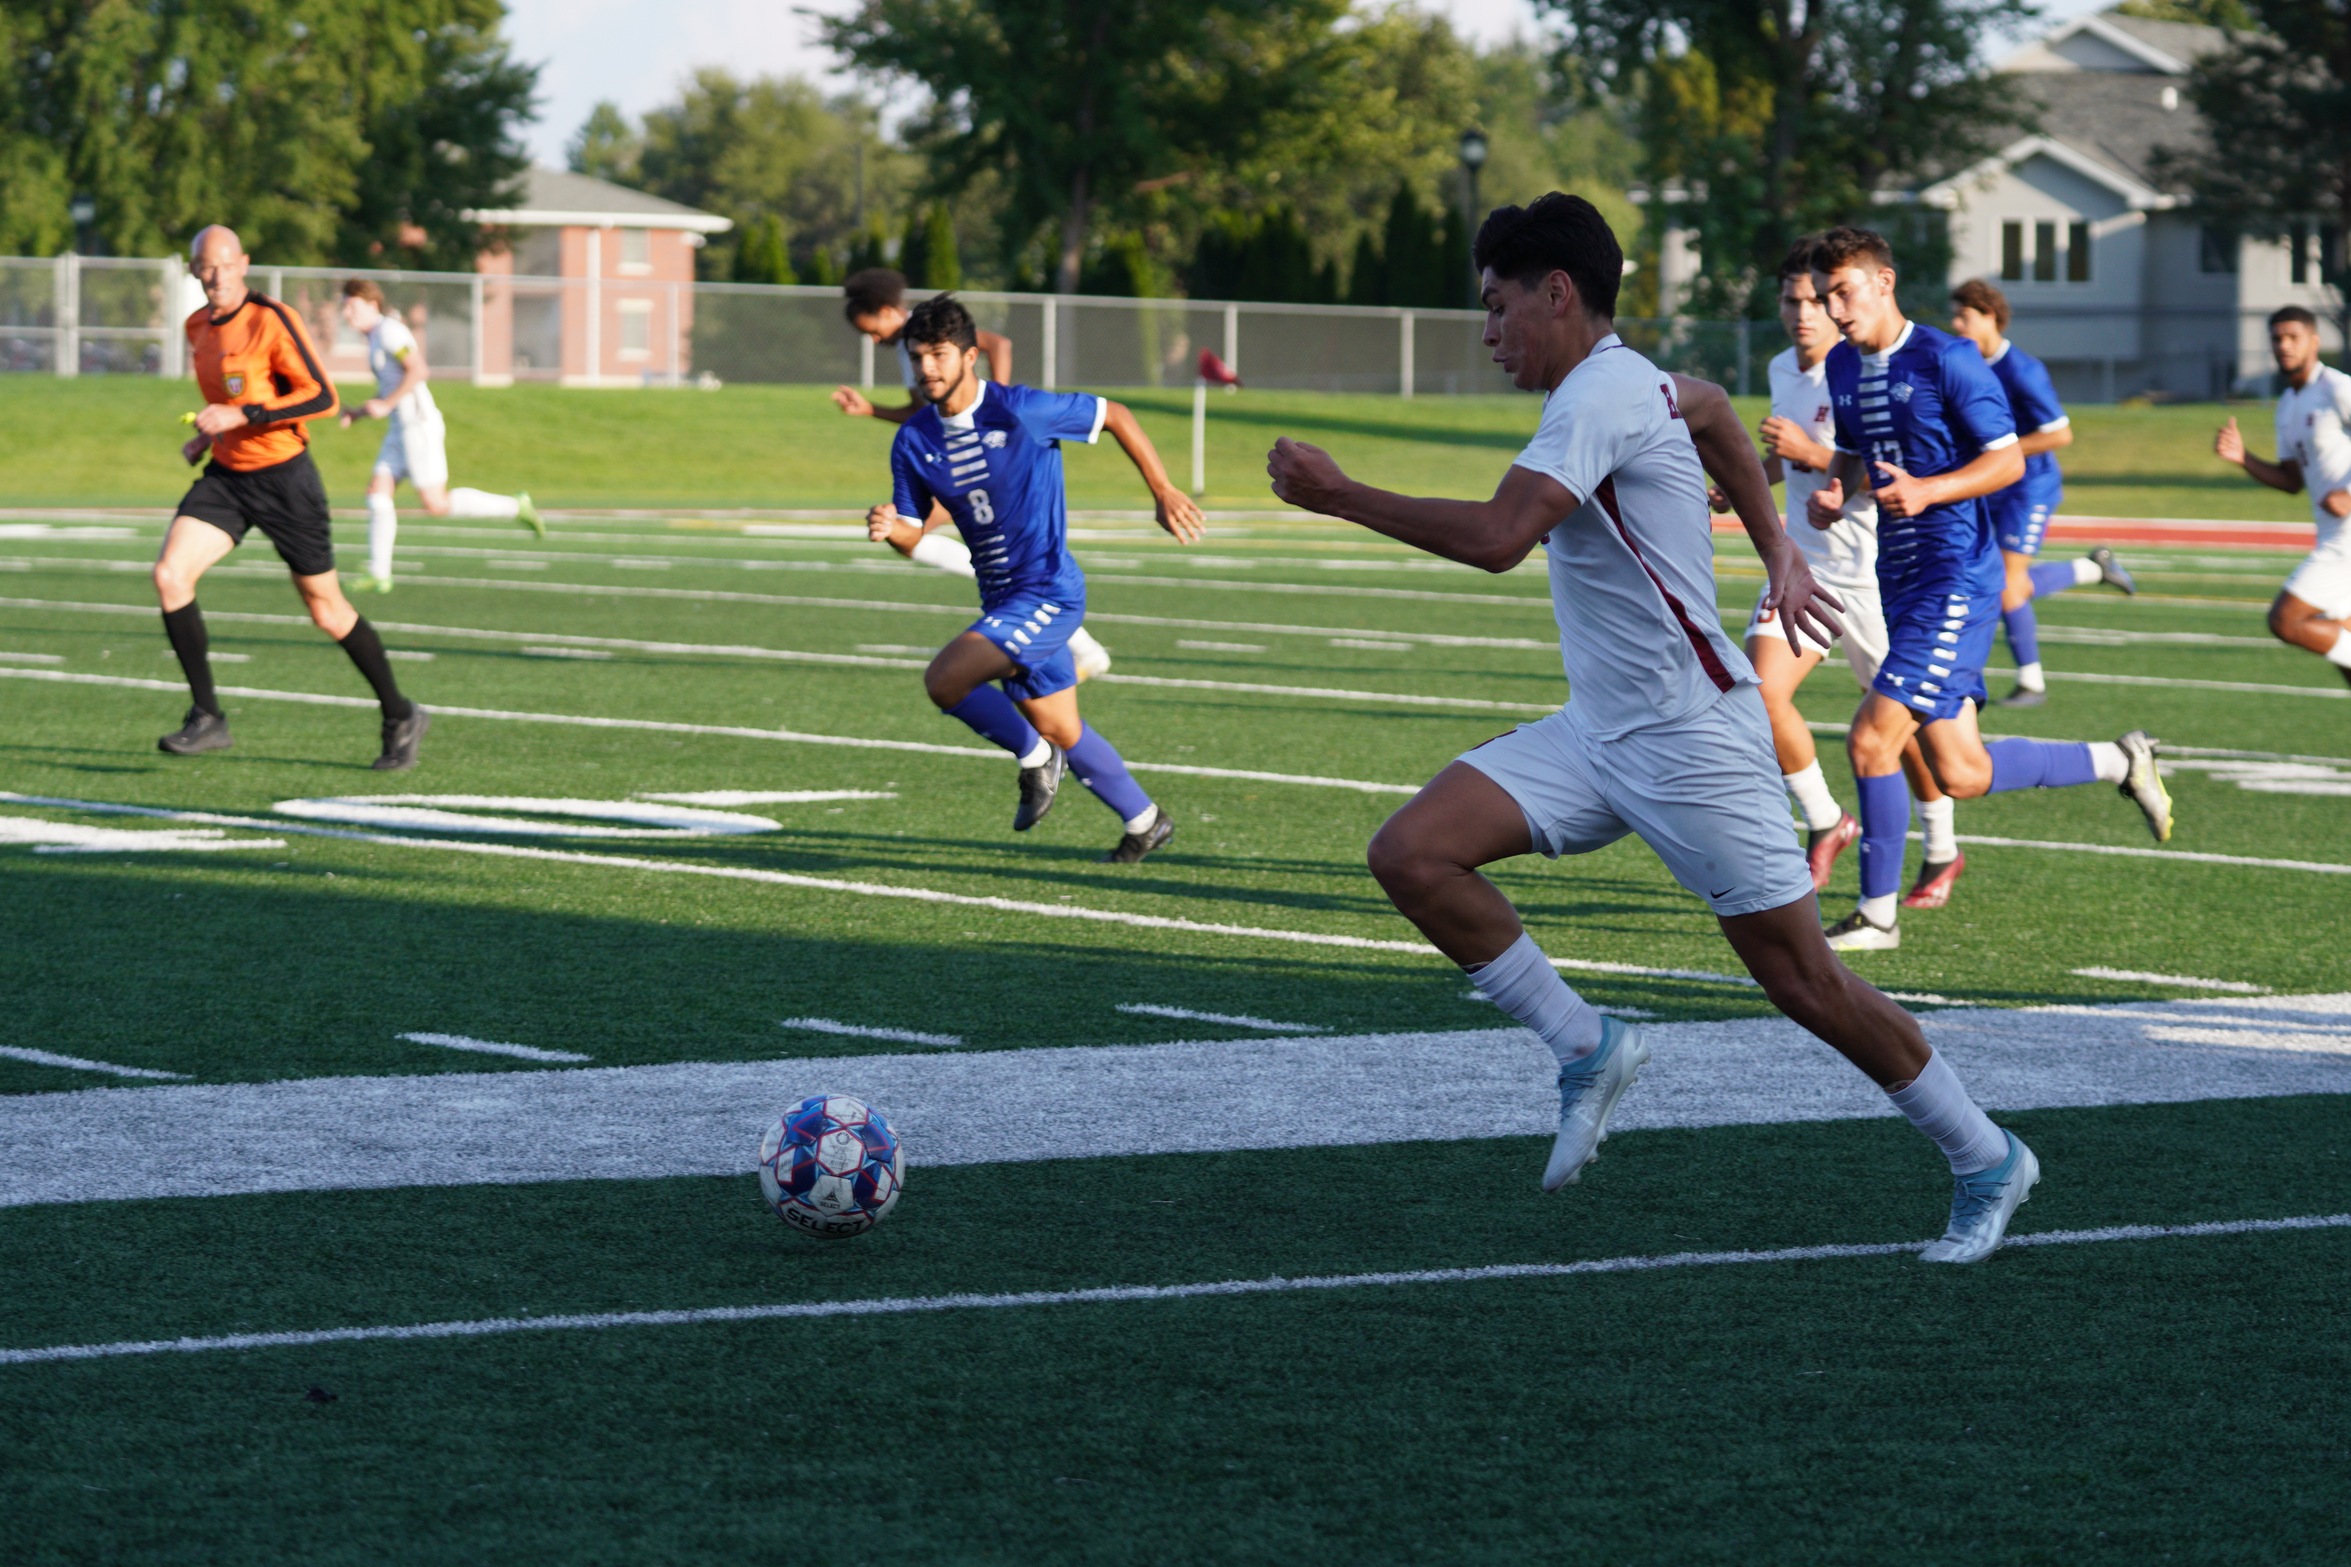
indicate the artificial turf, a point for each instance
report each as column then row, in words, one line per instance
column 2112, row 1402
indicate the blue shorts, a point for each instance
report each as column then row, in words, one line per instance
column 1936, row 649
column 2020, row 515
column 1034, row 633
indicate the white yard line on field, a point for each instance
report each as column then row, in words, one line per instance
column 903, row 1036
column 2182, row 980
column 1122, row 1294
column 84, row 1064
column 2130, row 852
column 492, row 1047
column 1228, row 1019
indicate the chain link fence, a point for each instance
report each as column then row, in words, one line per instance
column 82, row 315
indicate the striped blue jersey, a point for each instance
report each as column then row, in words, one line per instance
column 2033, row 405
column 1929, row 404
column 996, row 468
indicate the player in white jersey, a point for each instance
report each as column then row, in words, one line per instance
column 874, row 300
column 415, row 439
column 1797, row 442
column 2314, row 452
column 1663, row 734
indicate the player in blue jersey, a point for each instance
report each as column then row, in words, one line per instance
column 988, row 458
column 1921, row 420
column 2021, row 513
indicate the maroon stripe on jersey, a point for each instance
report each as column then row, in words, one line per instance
column 1708, row 660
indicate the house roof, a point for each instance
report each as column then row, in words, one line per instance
column 2185, row 42
column 558, row 198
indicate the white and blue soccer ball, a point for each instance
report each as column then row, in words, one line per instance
column 831, row 1167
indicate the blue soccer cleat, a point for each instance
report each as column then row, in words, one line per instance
column 1588, row 1090
column 1983, row 1203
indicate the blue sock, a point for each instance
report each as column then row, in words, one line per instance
column 2051, row 576
column 2024, row 632
column 1885, row 821
column 1097, row 764
column 2039, row 764
column 992, row 716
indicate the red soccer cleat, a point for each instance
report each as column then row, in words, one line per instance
column 1935, row 880
column 1824, row 847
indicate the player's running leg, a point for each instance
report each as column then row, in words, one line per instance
column 951, row 555
column 1096, row 764
column 1427, row 858
column 1829, row 830
column 1993, row 1173
column 2299, row 623
column 383, row 527
column 191, row 547
column 470, row 503
column 405, row 722
column 959, row 683
column 2031, row 579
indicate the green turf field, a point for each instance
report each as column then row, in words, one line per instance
column 113, row 441
column 1354, row 1118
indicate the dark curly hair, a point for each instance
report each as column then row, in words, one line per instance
column 940, row 320
column 1558, row 233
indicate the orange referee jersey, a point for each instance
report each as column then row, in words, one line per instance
column 259, row 357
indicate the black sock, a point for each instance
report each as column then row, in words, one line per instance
column 185, row 627
column 367, row 651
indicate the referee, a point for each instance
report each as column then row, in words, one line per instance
column 261, row 380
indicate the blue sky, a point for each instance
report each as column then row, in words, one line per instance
column 636, row 51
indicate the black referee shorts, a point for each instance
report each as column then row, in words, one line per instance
column 287, row 501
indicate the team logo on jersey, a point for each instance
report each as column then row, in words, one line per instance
column 1901, row 391
column 993, row 438
column 236, row 386
column 1822, row 415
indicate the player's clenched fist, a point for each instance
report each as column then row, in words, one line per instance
column 2229, row 444
column 882, row 522
column 1305, row 475
column 852, row 402
column 1826, row 508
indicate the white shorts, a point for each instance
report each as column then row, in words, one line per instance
column 1705, row 794
column 416, row 452
column 2323, row 580
column 1864, row 640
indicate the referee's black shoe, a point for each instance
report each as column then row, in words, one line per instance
column 1135, row 845
column 1038, row 786
column 200, row 732
column 401, row 738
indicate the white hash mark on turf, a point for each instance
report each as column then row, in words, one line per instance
column 909, row 1036
column 492, row 1047
column 769, row 796
column 1131, row 1294
column 32, row 658
column 2184, row 981
column 1229, row 1019
column 533, row 650
column 72, row 838
column 84, row 1064
column 646, row 819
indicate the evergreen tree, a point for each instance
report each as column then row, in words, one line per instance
column 942, row 266
column 1367, row 279
column 763, row 255
column 1413, row 256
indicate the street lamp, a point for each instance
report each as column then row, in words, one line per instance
column 1473, row 158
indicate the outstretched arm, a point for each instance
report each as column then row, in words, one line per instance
column 1177, row 512
column 1731, row 462
column 2229, row 446
column 1492, row 535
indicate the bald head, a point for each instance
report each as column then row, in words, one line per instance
column 217, row 259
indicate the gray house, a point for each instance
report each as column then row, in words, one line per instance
column 2115, row 280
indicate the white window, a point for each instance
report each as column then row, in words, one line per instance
column 636, row 328
column 636, row 250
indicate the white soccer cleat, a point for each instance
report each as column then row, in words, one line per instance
column 1857, row 932
column 1983, row 1203
column 1588, row 1090
column 1091, row 656
column 2144, row 787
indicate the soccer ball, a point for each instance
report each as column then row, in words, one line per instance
column 831, row 1167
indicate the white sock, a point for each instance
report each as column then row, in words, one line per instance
column 1085, row 649
column 383, row 522
column 1144, row 821
column 1879, row 911
column 2113, row 767
column 1942, row 839
column 481, row 503
column 2340, row 654
column 2087, row 571
column 1038, row 753
column 2030, row 678
column 1810, row 791
column 1937, row 1104
column 1523, row 983
column 936, row 549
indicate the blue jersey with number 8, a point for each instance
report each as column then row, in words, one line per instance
column 996, row 468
